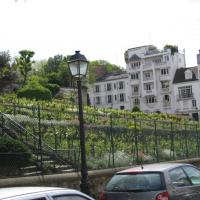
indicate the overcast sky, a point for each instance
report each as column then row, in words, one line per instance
column 100, row 29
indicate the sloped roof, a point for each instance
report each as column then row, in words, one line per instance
column 112, row 76
column 134, row 57
column 180, row 75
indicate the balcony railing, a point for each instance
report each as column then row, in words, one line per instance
column 164, row 77
column 161, row 64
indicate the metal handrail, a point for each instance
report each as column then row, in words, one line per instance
column 45, row 147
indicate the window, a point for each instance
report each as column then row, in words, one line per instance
column 166, row 58
column 121, row 107
column 194, row 103
column 121, row 97
column 164, row 71
column 136, row 101
column 135, row 89
column 164, row 84
column 97, row 88
column 121, row 85
column 147, row 75
column 70, row 197
column 135, row 182
column 157, row 60
column 109, row 98
column 148, row 86
column 108, row 86
column 188, row 74
column 193, row 174
column 166, row 98
column 185, row 92
column 179, row 178
column 151, row 99
column 135, row 65
column 98, row 100
column 134, row 76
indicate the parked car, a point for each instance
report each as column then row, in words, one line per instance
column 41, row 193
column 163, row 181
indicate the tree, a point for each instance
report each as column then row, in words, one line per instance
column 8, row 73
column 99, row 68
column 4, row 58
column 24, row 63
column 173, row 48
column 57, row 70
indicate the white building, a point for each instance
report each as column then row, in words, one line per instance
column 186, row 86
column 111, row 91
column 154, row 81
column 151, row 74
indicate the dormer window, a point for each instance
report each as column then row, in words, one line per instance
column 188, row 74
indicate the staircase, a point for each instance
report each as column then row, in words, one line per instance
column 47, row 159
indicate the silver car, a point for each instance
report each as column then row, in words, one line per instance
column 163, row 181
column 41, row 193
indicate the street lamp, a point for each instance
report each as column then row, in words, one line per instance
column 78, row 66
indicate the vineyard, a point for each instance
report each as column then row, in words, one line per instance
column 113, row 137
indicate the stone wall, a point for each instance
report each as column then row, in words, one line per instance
column 97, row 178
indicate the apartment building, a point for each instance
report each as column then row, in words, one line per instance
column 153, row 81
column 186, row 86
column 111, row 91
column 151, row 72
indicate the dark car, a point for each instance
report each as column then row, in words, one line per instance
column 163, row 181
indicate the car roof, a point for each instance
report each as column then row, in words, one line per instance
column 156, row 167
column 19, row 191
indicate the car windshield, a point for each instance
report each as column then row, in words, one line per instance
column 135, row 182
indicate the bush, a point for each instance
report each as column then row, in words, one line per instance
column 135, row 109
column 33, row 90
column 13, row 155
column 54, row 88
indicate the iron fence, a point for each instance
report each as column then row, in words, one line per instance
column 111, row 140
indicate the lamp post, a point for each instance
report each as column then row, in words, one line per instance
column 78, row 66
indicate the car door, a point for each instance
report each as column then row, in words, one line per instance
column 69, row 197
column 194, row 175
column 181, row 185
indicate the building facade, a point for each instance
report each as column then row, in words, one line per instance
column 155, row 81
column 111, row 91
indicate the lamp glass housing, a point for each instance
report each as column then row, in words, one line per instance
column 78, row 68
column 78, row 65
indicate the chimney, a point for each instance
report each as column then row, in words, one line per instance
column 198, row 58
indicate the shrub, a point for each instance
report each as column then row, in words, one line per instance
column 33, row 90
column 13, row 155
column 54, row 88
column 135, row 109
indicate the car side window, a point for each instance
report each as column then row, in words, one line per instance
column 179, row 178
column 193, row 174
column 69, row 197
column 42, row 198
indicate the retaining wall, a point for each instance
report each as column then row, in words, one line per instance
column 97, row 178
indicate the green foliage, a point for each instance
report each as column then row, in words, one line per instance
column 15, row 150
column 34, row 90
column 4, row 59
column 136, row 109
column 98, row 68
column 57, row 71
column 54, row 88
column 173, row 48
column 40, row 79
column 53, row 78
column 24, row 63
